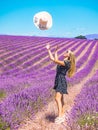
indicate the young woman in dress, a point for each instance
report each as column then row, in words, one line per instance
column 67, row 66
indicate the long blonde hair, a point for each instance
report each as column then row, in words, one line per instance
column 72, row 69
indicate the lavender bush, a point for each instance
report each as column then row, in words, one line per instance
column 26, row 103
column 84, row 114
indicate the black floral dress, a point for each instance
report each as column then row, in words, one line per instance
column 60, row 84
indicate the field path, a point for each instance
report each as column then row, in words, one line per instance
column 44, row 119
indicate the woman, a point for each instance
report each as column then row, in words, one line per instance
column 60, row 85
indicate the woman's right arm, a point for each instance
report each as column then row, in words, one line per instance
column 55, row 54
column 49, row 51
column 50, row 55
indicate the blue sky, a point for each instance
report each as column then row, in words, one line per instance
column 70, row 17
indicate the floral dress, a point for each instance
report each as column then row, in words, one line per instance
column 60, row 84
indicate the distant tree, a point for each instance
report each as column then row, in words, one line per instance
column 96, row 39
column 81, row 37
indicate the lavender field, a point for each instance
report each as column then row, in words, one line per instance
column 27, row 78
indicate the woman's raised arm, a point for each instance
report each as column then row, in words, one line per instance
column 49, row 51
column 55, row 54
column 56, row 60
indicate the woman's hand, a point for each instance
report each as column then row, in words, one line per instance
column 47, row 46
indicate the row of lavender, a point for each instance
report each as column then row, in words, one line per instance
column 84, row 114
